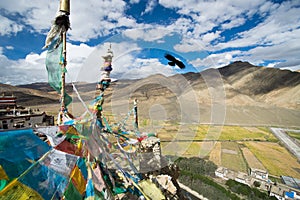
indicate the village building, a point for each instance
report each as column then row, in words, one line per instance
column 242, row 178
column 13, row 116
column 259, row 174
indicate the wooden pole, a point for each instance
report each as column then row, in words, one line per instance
column 63, row 79
column 64, row 7
column 136, row 113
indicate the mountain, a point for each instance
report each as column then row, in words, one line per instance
column 28, row 96
column 269, row 85
column 239, row 93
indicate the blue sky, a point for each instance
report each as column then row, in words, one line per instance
column 203, row 34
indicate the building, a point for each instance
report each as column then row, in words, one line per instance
column 282, row 191
column 222, row 173
column 259, row 174
column 8, row 102
column 290, row 181
column 242, row 178
column 13, row 116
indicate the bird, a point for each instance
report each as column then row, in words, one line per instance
column 173, row 61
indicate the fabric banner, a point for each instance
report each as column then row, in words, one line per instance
column 3, row 175
column 54, row 67
column 72, row 193
column 78, row 180
column 47, row 182
column 98, row 179
column 60, row 162
column 19, row 149
column 17, row 190
column 51, row 133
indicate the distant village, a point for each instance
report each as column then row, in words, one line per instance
column 13, row 116
column 289, row 189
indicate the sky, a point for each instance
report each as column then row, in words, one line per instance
column 201, row 33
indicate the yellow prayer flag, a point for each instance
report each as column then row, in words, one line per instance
column 78, row 180
column 3, row 175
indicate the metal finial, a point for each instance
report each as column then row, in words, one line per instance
column 65, row 6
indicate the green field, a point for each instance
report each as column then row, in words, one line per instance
column 232, row 157
column 225, row 146
column 295, row 135
column 218, row 133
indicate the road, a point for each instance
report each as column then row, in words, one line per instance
column 191, row 192
column 289, row 143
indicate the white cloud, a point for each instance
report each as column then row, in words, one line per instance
column 293, row 65
column 22, row 71
column 150, row 6
column 9, row 48
column 201, row 26
column 32, row 68
column 236, row 22
column 89, row 19
column 8, row 27
column 190, row 45
column 147, row 34
column 90, row 68
column 215, row 60
column 208, row 37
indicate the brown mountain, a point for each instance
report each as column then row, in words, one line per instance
column 28, row 96
column 239, row 93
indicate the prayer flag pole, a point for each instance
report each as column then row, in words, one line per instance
column 64, row 7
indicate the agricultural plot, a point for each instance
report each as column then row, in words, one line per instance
column 252, row 161
column 275, row 158
column 295, row 135
column 215, row 154
column 216, row 133
column 187, row 149
column 232, row 157
column 236, row 148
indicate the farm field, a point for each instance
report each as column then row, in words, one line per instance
column 276, row 159
column 237, row 148
column 232, row 157
column 219, row 133
column 295, row 135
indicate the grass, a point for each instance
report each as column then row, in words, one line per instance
column 295, row 135
column 232, row 158
column 252, row 161
column 275, row 158
column 215, row 154
column 186, row 149
column 217, row 133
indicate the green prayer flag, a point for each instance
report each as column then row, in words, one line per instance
column 54, row 60
column 72, row 193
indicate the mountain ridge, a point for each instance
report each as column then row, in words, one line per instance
column 248, row 94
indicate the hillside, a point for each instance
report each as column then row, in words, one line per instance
column 239, row 93
column 28, row 96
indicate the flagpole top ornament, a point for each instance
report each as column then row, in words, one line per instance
column 65, row 6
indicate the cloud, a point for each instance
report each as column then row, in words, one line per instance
column 32, row 68
column 215, row 60
column 8, row 27
column 33, row 13
column 9, row 48
column 89, row 19
column 23, row 71
column 150, row 6
column 148, row 34
column 203, row 26
column 135, row 68
column 293, row 65
column 189, row 45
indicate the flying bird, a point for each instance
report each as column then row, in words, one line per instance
column 173, row 61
